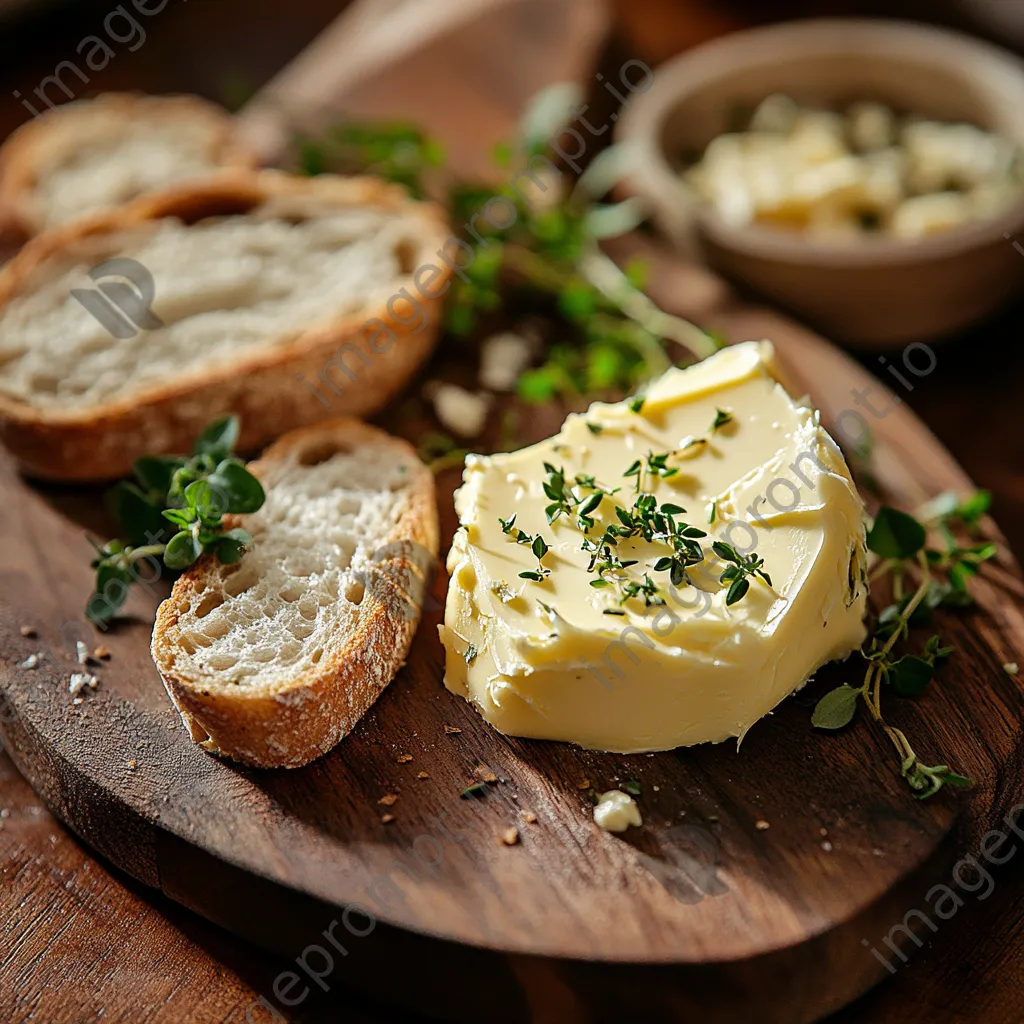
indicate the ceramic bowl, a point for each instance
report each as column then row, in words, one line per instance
column 876, row 291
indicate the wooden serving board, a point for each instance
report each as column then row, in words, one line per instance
column 703, row 910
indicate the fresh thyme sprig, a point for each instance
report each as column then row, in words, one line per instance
column 740, row 570
column 540, row 548
column 900, row 540
column 173, row 510
column 655, row 465
column 537, row 544
column 395, row 151
column 548, row 254
column 645, row 519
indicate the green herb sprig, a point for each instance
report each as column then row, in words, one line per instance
column 740, row 571
column 173, row 510
column 900, row 540
column 549, row 253
column 395, row 151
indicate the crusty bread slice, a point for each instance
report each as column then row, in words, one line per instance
column 272, row 660
column 286, row 300
column 93, row 155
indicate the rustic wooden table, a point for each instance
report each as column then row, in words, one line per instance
column 81, row 942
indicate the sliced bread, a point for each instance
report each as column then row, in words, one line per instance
column 272, row 660
column 286, row 300
column 98, row 154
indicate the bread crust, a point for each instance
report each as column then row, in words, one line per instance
column 27, row 149
column 269, row 387
column 290, row 725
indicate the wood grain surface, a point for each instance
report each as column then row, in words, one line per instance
column 704, row 884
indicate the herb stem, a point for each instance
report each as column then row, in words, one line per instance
column 138, row 554
column 605, row 275
column 919, row 595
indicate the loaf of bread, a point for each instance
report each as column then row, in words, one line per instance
column 285, row 300
column 272, row 660
column 98, row 154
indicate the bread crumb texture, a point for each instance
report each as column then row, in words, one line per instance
column 274, row 659
column 121, row 161
column 223, row 287
column 318, row 542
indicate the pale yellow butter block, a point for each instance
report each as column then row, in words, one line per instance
column 546, row 659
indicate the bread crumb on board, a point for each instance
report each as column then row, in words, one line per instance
column 80, row 681
column 404, row 758
column 422, row 775
column 388, row 799
column 386, row 819
column 450, row 730
column 510, row 836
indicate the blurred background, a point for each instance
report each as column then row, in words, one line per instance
column 224, row 50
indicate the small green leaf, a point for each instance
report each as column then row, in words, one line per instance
column 722, row 418
column 538, row 385
column 836, row 709
column 478, row 789
column 229, row 547
column 632, row 787
column 725, row 551
column 139, row 517
column 179, row 516
column 539, row 547
column 102, row 607
column 895, row 534
column 312, row 158
column 578, row 301
column 951, row 778
column 535, row 576
column 460, row 319
column 737, row 589
column 237, row 489
column 637, row 404
column 218, row 440
column 154, row 472
column 470, row 654
column 181, row 551
column 910, row 675
column 201, row 497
